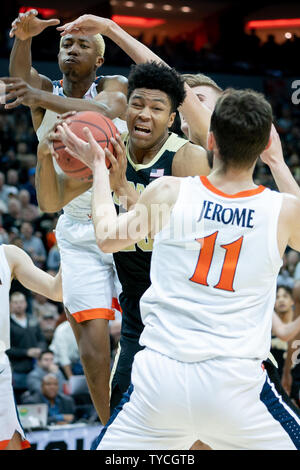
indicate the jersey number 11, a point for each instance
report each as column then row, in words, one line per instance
column 205, row 259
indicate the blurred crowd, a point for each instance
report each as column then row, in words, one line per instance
column 235, row 51
column 44, row 355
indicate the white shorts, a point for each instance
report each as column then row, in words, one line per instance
column 228, row 404
column 9, row 420
column 89, row 279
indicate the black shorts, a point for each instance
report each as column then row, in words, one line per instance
column 132, row 328
column 122, row 374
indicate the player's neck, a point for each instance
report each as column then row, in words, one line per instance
column 77, row 87
column 144, row 156
column 232, row 181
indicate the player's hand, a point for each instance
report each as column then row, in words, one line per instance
column 27, row 25
column 88, row 152
column 46, row 144
column 86, row 25
column 117, row 170
column 19, row 91
column 273, row 154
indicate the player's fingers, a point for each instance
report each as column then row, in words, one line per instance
column 32, row 12
column 118, row 148
column 90, row 138
column 15, row 103
column 53, row 136
column 52, row 22
column 112, row 159
column 65, row 115
column 73, row 154
column 71, row 139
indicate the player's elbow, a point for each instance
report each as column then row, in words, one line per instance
column 105, row 245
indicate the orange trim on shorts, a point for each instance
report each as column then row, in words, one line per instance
column 24, row 444
column 251, row 192
column 115, row 304
column 93, row 314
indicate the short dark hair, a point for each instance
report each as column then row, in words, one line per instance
column 288, row 289
column 157, row 76
column 47, row 351
column 241, row 123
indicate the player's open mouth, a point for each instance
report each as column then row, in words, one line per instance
column 142, row 130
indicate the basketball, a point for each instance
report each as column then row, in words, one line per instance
column 102, row 129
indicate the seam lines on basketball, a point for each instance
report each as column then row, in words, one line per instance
column 95, row 125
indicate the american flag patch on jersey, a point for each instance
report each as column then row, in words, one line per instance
column 157, row 173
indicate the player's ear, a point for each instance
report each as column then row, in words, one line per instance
column 99, row 61
column 171, row 119
column 269, row 143
column 210, row 141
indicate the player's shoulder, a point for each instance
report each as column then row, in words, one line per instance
column 290, row 205
column 163, row 189
column 118, row 82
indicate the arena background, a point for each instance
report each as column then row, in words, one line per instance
column 250, row 44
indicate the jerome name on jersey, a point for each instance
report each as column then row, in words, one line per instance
column 227, row 215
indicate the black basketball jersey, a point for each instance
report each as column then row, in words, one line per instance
column 133, row 263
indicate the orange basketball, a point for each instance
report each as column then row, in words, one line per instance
column 102, row 129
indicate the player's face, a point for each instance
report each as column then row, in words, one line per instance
column 208, row 96
column 284, row 301
column 78, row 56
column 149, row 117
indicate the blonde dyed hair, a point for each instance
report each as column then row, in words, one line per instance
column 199, row 79
column 99, row 42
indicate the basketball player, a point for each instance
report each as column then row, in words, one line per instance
column 154, row 93
column 89, row 276
column 195, row 113
column 218, row 248
column 15, row 263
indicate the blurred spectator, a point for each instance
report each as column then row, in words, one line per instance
column 33, row 245
column 284, row 277
column 48, row 323
column 30, row 186
column 13, row 217
column 41, row 307
column 5, row 190
column 53, row 259
column 61, row 408
column 30, row 212
column 27, row 342
column 44, row 366
column 284, row 308
column 27, row 159
column 65, row 349
column 12, row 178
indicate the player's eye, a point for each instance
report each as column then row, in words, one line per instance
column 83, row 46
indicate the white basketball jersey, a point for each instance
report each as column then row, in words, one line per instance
column 213, row 272
column 80, row 207
column 5, row 280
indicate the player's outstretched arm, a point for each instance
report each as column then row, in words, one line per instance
column 285, row 331
column 110, row 103
column 23, row 29
column 30, row 276
column 273, row 157
column 196, row 113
